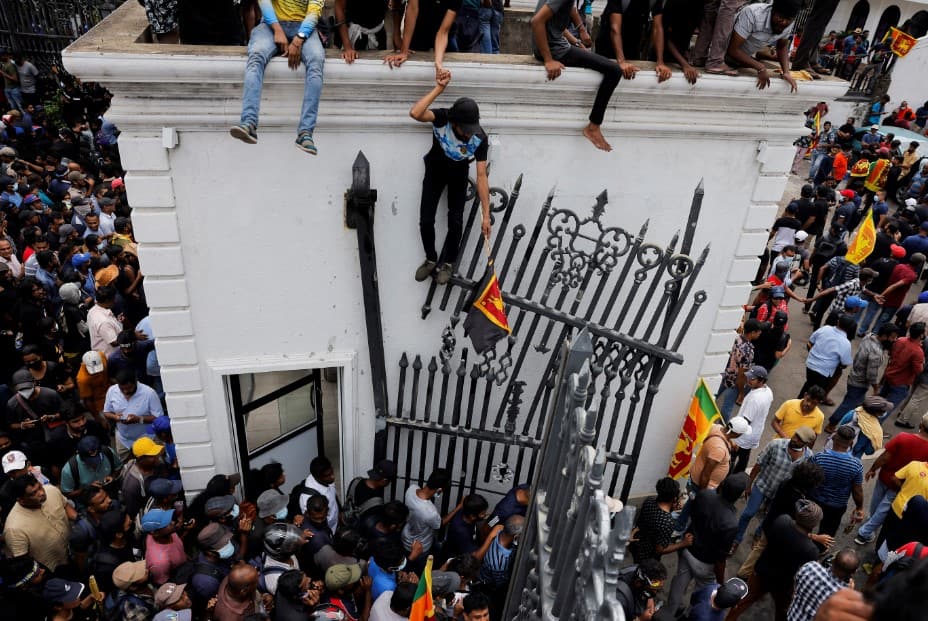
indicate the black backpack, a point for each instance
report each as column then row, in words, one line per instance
column 75, row 467
column 352, row 512
column 293, row 506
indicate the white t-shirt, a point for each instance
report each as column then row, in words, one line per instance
column 423, row 520
column 271, row 577
column 381, row 611
column 325, row 490
column 755, row 408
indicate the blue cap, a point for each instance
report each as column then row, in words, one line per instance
column 156, row 519
column 777, row 291
column 58, row 591
column 923, row 297
column 855, row 303
column 162, row 424
column 80, row 258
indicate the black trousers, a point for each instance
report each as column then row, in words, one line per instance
column 740, row 461
column 579, row 57
column 814, row 378
column 831, row 519
column 439, row 175
column 813, row 31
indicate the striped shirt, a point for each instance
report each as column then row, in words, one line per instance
column 842, row 472
column 814, row 584
column 495, row 568
column 776, row 465
column 753, row 24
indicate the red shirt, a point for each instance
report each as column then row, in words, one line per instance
column 902, row 272
column 902, row 449
column 839, row 167
column 906, row 361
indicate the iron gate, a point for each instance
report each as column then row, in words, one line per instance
column 484, row 416
column 40, row 29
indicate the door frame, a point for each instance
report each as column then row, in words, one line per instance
column 347, row 364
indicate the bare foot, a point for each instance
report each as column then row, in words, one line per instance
column 595, row 135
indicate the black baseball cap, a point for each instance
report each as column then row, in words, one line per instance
column 383, row 470
column 466, row 114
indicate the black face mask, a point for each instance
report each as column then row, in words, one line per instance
column 886, row 344
column 35, row 364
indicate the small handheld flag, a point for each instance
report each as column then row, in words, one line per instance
column 486, row 320
column 864, row 241
column 422, row 605
column 702, row 414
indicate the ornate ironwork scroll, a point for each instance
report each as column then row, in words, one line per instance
column 560, row 272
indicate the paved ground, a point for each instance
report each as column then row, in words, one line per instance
column 785, row 381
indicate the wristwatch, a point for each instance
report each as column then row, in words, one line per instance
column 302, row 35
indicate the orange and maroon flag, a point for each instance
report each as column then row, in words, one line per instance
column 486, row 320
column 702, row 414
column 902, row 43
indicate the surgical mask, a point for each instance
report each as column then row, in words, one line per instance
column 282, row 514
column 26, row 392
column 438, row 494
column 795, row 447
column 35, row 364
column 235, row 511
column 226, row 551
column 400, row 568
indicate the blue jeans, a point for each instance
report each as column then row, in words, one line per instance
column 725, row 398
column 490, row 21
column 817, row 157
column 683, row 519
column 755, row 500
column 14, row 97
column 261, row 49
column 880, row 505
column 852, row 398
column 869, row 315
column 886, row 314
column 895, row 395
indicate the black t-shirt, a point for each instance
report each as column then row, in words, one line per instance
column 54, row 376
column 655, row 528
column 461, row 536
column 62, row 446
column 849, row 130
column 783, row 503
column 431, row 14
column 884, row 267
column 681, row 18
column 634, row 26
column 767, row 345
column 880, row 248
column 787, row 550
column 367, row 13
column 447, row 147
column 714, row 525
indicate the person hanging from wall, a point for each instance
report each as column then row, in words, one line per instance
column 621, row 36
column 288, row 28
column 457, row 138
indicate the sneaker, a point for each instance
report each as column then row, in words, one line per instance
column 425, row 270
column 304, row 142
column 862, row 541
column 245, row 132
column 904, row 424
column 444, row 274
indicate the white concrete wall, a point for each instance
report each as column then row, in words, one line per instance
column 909, row 83
column 249, row 266
column 907, row 8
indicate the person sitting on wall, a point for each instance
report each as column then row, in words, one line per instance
column 551, row 47
column 288, row 27
column 457, row 138
column 362, row 26
column 620, row 35
column 758, row 26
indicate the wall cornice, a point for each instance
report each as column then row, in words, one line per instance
column 199, row 88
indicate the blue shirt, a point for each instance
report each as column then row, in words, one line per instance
column 701, row 605
column 143, row 402
column 842, row 472
column 912, row 244
column 381, row 580
column 830, row 347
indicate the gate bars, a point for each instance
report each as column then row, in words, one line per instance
column 567, row 273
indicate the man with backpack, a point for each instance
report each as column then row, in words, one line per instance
column 366, row 495
column 321, row 481
column 638, row 586
column 93, row 464
column 281, row 543
column 212, row 565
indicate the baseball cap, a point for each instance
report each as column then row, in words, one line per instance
column 896, row 251
column 466, row 115
column 801, row 236
column 93, row 362
column 383, row 469
column 156, row 518
column 339, row 576
column 89, row 449
column 270, row 502
column 777, row 291
column 146, row 447
column 23, row 380
column 63, row 232
column 739, row 425
column 169, row 593
column 875, row 404
column 219, row 506
column 80, row 258
column 806, row 434
column 911, row 202
column 129, row 573
column 174, row 615
column 117, row 183
column 162, row 488
column 855, row 303
column 214, row 536
column 162, row 424
column 14, row 460
column 733, row 591
column 848, row 194
column 58, row 591
column 874, row 127
column 8, row 152
column 756, row 372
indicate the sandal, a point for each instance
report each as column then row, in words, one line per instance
column 722, row 70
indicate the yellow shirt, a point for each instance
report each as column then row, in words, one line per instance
column 914, row 483
column 791, row 418
column 41, row 533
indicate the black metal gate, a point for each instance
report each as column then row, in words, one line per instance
column 40, row 29
column 484, row 416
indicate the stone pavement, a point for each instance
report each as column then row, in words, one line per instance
column 785, row 381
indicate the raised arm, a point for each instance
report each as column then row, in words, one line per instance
column 420, row 110
column 441, row 43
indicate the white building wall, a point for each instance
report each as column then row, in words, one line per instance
column 909, row 83
column 248, row 263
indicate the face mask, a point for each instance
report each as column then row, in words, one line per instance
column 401, row 567
column 282, row 514
column 226, row 551
column 26, row 393
column 35, row 364
column 795, row 447
column 438, row 494
column 235, row 511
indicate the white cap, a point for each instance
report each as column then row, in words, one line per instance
column 14, row 460
column 801, row 236
column 739, row 425
column 93, row 362
column 911, row 202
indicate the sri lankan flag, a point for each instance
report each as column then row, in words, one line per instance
column 902, row 42
column 486, row 320
column 422, row 606
column 864, row 241
column 703, row 413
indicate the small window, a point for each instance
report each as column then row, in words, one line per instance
column 274, row 406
